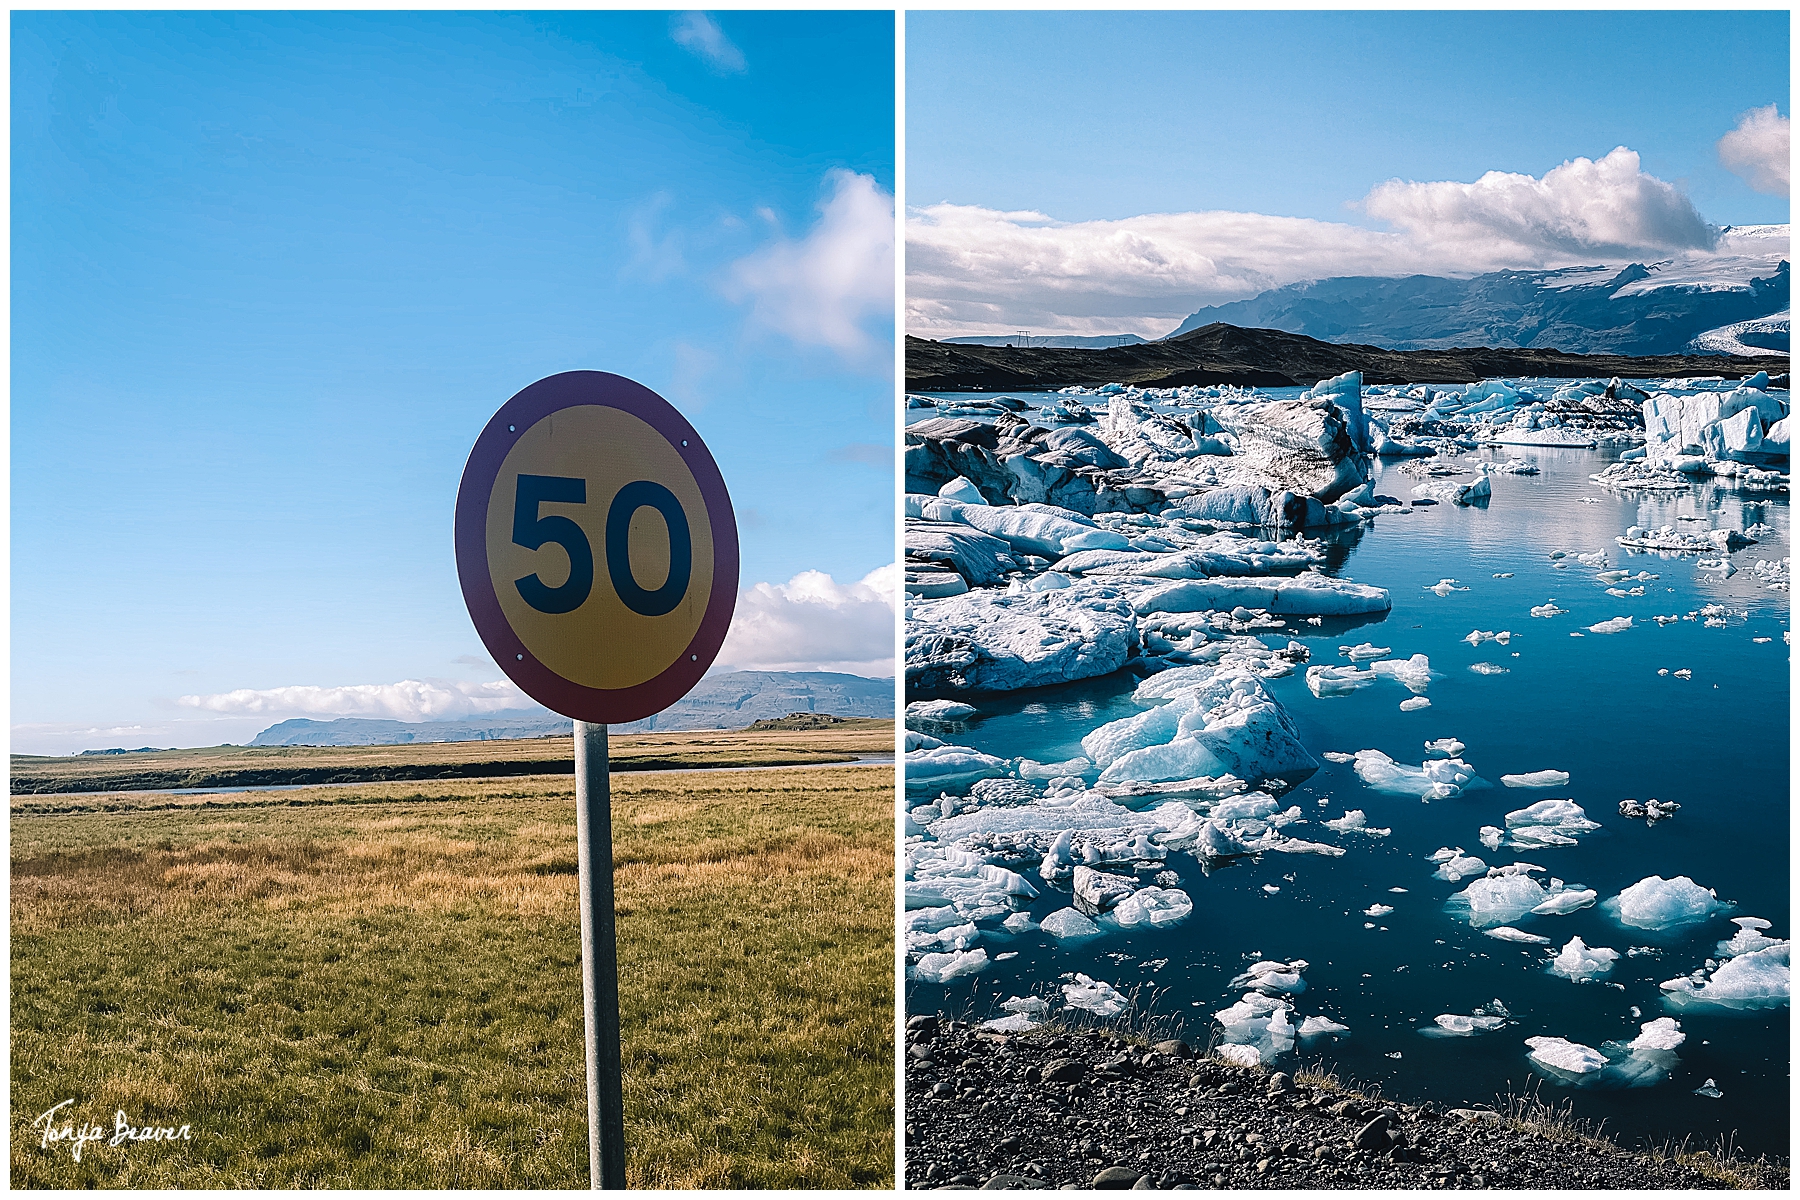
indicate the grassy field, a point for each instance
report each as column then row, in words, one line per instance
column 378, row 986
column 241, row 766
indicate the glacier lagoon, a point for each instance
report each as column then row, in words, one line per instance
column 1386, row 963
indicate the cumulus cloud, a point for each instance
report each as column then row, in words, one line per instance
column 408, row 700
column 834, row 286
column 973, row 269
column 814, row 623
column 1758, row 150
column 701, row 36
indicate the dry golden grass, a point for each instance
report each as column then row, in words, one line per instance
column 379, row 986
column 231, row 766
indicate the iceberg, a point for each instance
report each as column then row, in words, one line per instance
column 1445, row 747
column 1507, row 933
column 1661, row 904
column 1067, row 925
column 1153, row 906
column 1616, row 625
column 1273, row 978
column 1304, row 595
column 942, row 968
column 1563, row 1057
column 1499, row 900
column 938, row 710
column 1757, row 979
column 1453, row 1025
column 1337, row 681
column 1414, row 673
column 1436, row 779
column 1092, row 995
column 1581, row 963
column 1536, row 779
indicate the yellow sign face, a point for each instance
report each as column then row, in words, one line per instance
column 600, row 547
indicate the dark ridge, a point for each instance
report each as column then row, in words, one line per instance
column 1220, row 353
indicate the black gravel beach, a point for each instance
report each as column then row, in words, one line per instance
column 1097, row 1109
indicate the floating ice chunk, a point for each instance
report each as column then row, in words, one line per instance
column 1453, row 1025
column 1709, row 1089
column 1414, row 673
column 1303, row 595
column 1488, row 668
column 1749, row 937
column 1273, row 978
column 1459, row 867
column 1414, row 704
column 1355, row 821
column 1037, row 770
column 1581, row 963
column 1242, row 1056
column 1444, row 587
column 1616, row 625
column 1153, row 906
column 941, row 874
column 1565, row 1057
column 1497, row 900
column 938, row 710
column 1549, row 609
column 919, row 741
column 1031, row 1006
column 1569, row 900
column 1337, row 681
column 1258, row 1022
column 1534, row 779
column 1378, row 910
column 1065, row 924
column 1436, row 779
column 942, row 968
column 1364, row 651
column 1660, row 904
column 1100, row 998
column 1491, row 835
column 1100, row 890
column 1507, row 933
column 1019, row 922
column 1444, row 747
column 1664, row 1033
column 1753, row 980
column 1565, row 814
column 1271, row 888
column 948, row 767
column 1321, row 1026
column 1477, row 636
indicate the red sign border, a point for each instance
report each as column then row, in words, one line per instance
column 601, row 706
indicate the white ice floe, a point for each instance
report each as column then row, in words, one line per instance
column 1095, row 996
column 1536, row 779
column 992, row 641
column 1261, row 1023
column 1378, row 910
column 1225, row 724
column 1616, row 625
column 1444, row 587
column 1507, row 933
column 1548, row 609
column 1477, row 636
column 1242, row 1056
column 1548, row 822
column 1355, row 821
column 1757, row 979
column 1155, row 907
column 1304, row 595
column 942, row 968
column 1750, row 936
column 1562, row 903
column 1067, row 925
column 1029, row 769
column 938, row 710
column 1488, row 668
column 1101, row 890
column 1454, row 865
column 1491, row 835
column 1454, row 1025
column 1319, row 1026
column 1016, row 1023
column 1435, row 779
column 1412, row 673
column 1366, row 650
column 1499, row 899
column 1581, row 963
column 946, row 766
column 1445, row 747
column 1664, row 1033
column 1563, row 1056
column 1661, row 904
column 1337, row 680
column 1274, row 978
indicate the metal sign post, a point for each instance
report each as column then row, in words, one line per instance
column 597, row 552
column 599, row 959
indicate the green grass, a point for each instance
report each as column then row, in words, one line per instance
column 379, row 986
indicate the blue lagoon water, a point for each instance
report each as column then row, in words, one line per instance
column 1593, row 706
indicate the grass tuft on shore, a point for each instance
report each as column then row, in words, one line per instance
column 379, row 986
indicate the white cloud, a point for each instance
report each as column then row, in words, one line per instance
column 973, row 269
column 1758, row 150
column 831, row 286
column 408, row 700
column 700, row 35
column 814, row 623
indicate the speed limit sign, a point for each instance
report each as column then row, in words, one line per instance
column 596, row 547
column 598, row 555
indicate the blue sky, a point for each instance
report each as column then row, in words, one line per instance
column 1297, row 113
column 272, row 273
column 1077, row 172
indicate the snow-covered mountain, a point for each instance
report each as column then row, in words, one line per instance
column 1617, row 308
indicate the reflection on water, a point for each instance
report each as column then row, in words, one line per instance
column 1594, row 706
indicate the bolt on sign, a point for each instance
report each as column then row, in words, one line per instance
column 598, row 555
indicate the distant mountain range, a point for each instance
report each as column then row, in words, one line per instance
column 1633, row 308
column 1057, row 341
column 728, row 701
